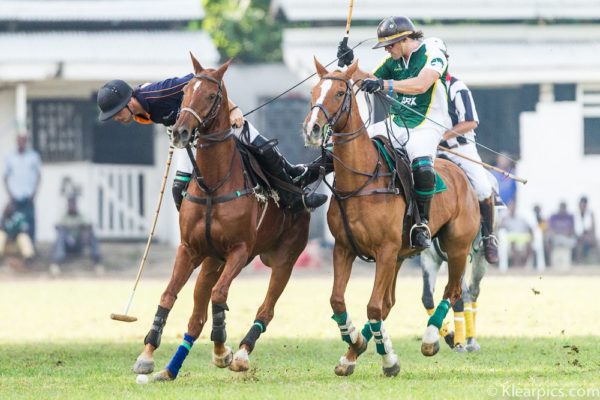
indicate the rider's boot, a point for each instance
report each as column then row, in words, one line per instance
column 276, row 165
column 424, row 178
column 312, row 169
column 490, row 243
column 180, row 183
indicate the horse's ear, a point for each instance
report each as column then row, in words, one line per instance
column 197, row 67
column 351, row 70
column 321, row 71
column 221, row 71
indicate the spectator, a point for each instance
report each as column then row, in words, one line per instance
column 22, row 175
column 14, row 229
column 519, row 236
column 585, row 229
column 507, row 186
column 542, row 227
column 74, row 234
column 561, row 236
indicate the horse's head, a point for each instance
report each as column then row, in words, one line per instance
column 203, row 97
column 330, row 103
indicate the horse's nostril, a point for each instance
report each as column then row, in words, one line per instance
column 316, row 130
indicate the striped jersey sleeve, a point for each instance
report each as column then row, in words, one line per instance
column 463, row 106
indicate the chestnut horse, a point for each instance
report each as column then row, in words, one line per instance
column 224, row 224
column 374, row 219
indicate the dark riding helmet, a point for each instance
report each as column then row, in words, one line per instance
column 392, row 30
column 112, row 98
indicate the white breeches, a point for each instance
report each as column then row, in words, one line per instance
column 475, row 172
column 422, row 142
column 183, row 163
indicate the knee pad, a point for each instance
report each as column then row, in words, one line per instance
column 424, row 176
column 180, row 183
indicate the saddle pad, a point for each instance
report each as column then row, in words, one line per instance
column 440, row 185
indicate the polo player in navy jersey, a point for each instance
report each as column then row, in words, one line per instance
column 159, row 103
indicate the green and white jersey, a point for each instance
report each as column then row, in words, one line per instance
column 433, row 103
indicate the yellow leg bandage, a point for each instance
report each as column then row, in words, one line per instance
column 469, row 323
column 25, row 245
column 459, row 328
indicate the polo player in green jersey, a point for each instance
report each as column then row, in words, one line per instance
column 414, row 73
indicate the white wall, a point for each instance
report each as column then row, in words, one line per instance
column 552, row 160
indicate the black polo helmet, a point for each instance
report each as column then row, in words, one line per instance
column 392, row 30
column 112, row 98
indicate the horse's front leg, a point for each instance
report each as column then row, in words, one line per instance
column 236, row 259
column 357, row 343
column 184, row 265
column 386, row 270
column 208, row 276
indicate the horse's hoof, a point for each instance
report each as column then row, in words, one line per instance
column 472, row 345
column 223, row 360
column 345, row 367
column 430, row 349
column 391, row 371
column 143, row 365
column 162, row 376
column 459, row 348
column 240, row 361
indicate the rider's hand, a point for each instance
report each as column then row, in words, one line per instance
column 372, row 85
column 345, row 54
column 236, row 118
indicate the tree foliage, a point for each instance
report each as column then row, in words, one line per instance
column 243, row 29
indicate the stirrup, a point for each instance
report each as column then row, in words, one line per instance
column 421, row 225
column 491, row 237
column 301, row 176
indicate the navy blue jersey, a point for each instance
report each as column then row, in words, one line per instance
column 162, row 100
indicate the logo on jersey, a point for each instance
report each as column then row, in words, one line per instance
column 409, row 101
column 168, row 116
column 437, row 62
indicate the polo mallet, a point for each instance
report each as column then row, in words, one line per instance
column 348, row 22
column 125, row 317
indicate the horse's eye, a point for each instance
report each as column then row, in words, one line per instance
column 212, row 96
column 340, row 94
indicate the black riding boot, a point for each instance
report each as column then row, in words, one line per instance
column 276, row 165
column 490, row 243
column 312, row 169
column 424, row 178
column 180, row 183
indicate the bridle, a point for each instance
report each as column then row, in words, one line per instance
column 211, row 138
column 346, row 105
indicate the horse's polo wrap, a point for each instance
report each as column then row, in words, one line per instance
column 180, row 183
column 182, row 352
column 160, row 319
column 253, row 334
column 424, row 178
column 112, row 98
column 218, row 333
column 392, row 30
column 347, row 329
column 382, row 339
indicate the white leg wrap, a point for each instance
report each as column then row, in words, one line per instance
column 346, row 362
column 241, row 354
column 382, row 337
column 349, row 329
column 431, row 335
column 389, row 360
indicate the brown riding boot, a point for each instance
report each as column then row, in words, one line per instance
column 490, row 243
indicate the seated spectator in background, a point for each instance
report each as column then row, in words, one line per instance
column 74, row 234
column 14, row 229
column 507, row 186
column 519, row 236
column 561, row 234
column 585, row 229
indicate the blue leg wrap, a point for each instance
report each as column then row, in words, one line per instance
column 182, row 352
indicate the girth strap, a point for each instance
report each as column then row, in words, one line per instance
column 219, row 199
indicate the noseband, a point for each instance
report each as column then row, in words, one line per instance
column 212, row 113
column 345, row 107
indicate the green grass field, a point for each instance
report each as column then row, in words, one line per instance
column 539, row 338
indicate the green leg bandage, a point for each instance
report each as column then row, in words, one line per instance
column 366, row 332
column 440, row 313
column 347, row 329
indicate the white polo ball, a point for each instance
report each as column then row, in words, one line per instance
column 141, row 379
